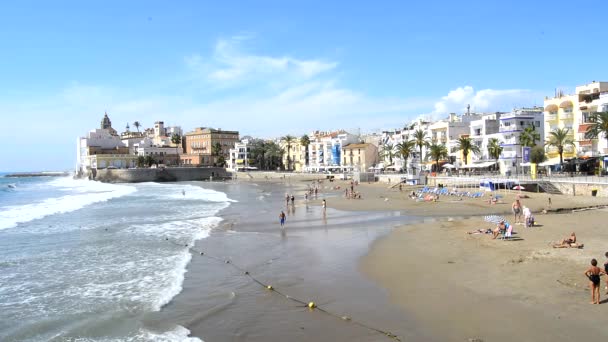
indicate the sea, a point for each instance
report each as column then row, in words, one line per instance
column 88, row 261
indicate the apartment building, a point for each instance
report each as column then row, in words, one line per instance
column 360, row 157
column 512, row 125
column 574, row 112
column 199, row 144
column 240, row 156
column 325, row 149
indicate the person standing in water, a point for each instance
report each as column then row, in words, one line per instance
column 324, row 204
column 293, row 198
column 282, row 218
column 183, row 192
column 594, row 273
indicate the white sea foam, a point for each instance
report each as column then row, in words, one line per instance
column 178, row 334
column 191, row 192
column 84, row 193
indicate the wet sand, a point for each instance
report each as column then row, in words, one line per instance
column 316, row 258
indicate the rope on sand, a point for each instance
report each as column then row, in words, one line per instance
column 311, row 305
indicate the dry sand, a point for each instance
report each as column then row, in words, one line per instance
column 465, row 287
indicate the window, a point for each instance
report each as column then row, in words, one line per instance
column 537, row 124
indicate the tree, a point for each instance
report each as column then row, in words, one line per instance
column 404, row 150
column 274, row 155
column 148, row 160
column 529, row 137
column 388, row 150
column 258, row 153
column 559, row 139
column 494, row 149
column 288, row 140
column 177, row 140
column 421, row 140
column 437, row 152
column 466, row 145
column 598, row 127
column 221, row 161
column 305, row 141
column 137, row 125
column 216, row 150
column 141, row 161
column 537, row 155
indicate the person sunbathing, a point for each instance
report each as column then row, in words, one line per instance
column 569, row 240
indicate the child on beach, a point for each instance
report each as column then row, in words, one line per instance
column 594, row 273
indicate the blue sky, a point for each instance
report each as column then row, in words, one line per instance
column 268, row 68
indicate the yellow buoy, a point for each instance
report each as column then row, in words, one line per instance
column 269, row 287
column 312, row 305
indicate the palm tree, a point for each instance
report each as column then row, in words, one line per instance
column 388, row 150
column 494, row 149
column 177, row 140
column 137, row 125
column 305, row 141
column 529, row 137
column 599, row 126
column 421, row 140
column 466, row 145
column 559, row 138
column 258, row 152
column 288, row 140
column 141, row 161
column 437, row 152
column 404, row 150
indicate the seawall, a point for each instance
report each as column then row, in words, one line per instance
column 172, row 174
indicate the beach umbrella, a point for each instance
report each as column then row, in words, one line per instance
column 494, row 219
column 448, row 166
column 519, row 187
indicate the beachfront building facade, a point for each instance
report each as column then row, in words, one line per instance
column 512, row 125
column 199, row 146
column 480, row 132
column 162, row 154
column 325, row 149
column 359, row 157
column 240, row 156
column 102, row 148
column 296, row 154
column 573, row 111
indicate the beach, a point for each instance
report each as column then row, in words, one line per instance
column 407, row 268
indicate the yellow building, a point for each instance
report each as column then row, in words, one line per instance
column 573, row 112
column 359, row 156
column 297, row 155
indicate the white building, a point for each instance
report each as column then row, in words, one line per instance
column 511, row 126
column 101, row 148
column 239, row 156
column 325, row 149
column 163, row 154
column 480, row 133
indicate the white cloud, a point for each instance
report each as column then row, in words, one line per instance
column 484, row 100
column 229, row 66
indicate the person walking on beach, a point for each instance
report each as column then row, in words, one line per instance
column 324, row 204
column 549, row 202
column 516, row 208
column 606, row 271
column 293, row 199
column 286, row 199
column 282, row 218
column 594, row 273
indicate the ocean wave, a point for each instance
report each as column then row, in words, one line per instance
column 178, row 334
column 86, row 193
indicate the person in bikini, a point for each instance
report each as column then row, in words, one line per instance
column 594, row 273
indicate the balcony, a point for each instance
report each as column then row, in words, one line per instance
column 566, row 116
column 550, row 116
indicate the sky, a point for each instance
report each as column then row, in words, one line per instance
column 271, row 68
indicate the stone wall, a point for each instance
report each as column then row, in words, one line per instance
column 581, row 189
column 172, row 174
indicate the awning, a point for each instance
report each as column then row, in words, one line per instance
column 479, row 165
column 524, row 164
column 550, row 162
